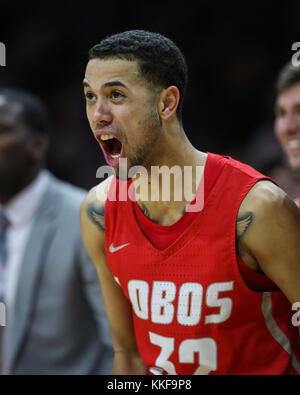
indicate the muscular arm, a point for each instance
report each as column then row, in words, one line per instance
column 127, row 359
column 268, row 233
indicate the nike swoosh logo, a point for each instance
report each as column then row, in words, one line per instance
column 113, row 249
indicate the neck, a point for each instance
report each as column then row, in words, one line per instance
column 172, row 148
column 8, row 193
column 173, row 176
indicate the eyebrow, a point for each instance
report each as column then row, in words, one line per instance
column 114, row 83
column 106, row 84
column 278, row 106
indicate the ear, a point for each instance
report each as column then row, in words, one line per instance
column 168, row 102
column 39, row 146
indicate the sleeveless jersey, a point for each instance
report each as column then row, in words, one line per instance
column 162, row 236
column 190, row 304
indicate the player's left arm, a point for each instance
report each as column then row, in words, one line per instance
column 272, row 235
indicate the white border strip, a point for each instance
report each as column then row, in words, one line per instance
column 275, row 331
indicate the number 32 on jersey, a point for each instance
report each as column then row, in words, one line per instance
column 189, row 308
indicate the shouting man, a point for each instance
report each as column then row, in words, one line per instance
column 186, row 291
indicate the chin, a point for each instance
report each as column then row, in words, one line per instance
column 295, row 164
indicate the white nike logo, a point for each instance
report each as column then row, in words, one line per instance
column 113, row 249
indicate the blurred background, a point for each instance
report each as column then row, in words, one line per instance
column 234, row 52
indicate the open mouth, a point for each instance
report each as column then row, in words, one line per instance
column 294, row 144
column 112, row 148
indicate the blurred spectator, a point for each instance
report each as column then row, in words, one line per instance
column 287, row 119
column 264, row 153
column 55, row 322
column 278, row 154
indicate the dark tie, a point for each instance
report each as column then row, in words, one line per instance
column 3, row 253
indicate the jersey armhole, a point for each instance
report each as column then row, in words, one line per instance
column 255, row 281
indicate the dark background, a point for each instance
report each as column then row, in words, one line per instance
column 234, row 52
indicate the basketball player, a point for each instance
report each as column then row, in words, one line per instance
column 287, row 115
column 186, row 292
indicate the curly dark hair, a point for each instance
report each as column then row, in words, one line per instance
column 160, row 61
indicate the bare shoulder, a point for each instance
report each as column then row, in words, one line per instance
column 93, row 206
column 263, row 215
column 264, row 204
column 269, row 234
column 267, row 226
column 266, row 197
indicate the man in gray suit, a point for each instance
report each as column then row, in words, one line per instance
column 55, row 320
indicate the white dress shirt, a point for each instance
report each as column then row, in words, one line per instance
column 20, row 212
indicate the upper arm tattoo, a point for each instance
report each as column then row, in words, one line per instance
column 243, row 223
column 96, row 215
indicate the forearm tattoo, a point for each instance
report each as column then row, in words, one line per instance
column 96, row 215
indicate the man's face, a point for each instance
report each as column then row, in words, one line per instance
column 287, row 124
column 16, row 156
column 119, row 104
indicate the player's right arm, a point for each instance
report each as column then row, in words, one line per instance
column 127, row 359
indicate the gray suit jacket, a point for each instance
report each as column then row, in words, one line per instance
column 59, row 324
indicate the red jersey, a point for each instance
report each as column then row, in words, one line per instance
column 190, row 304
column 162, row 236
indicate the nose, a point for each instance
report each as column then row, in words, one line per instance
column 290, row 124
column 102, row 115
